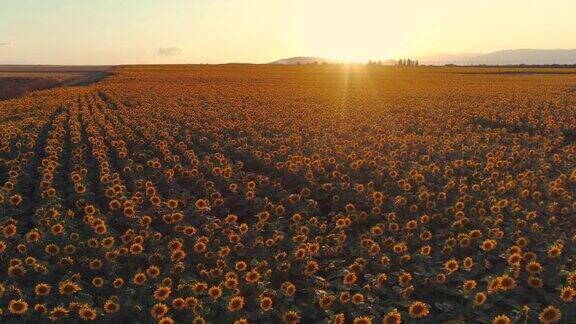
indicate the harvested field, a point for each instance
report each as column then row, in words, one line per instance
column 16, row 81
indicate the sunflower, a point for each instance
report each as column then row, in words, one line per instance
column 69, row 249
column 441, row 278
column 480, row 298
column 468, row 286
column 252, row 276
column 136, row 248
column 100, row 229
column 534, row 282
column 87, row 313
column 97, row 282
column 111, row 306
column 42, row 289
column 344, row 297
column 289, row 289
column 40, row 308
column 266, row 304
column 58, row 313
column 291, row 317
column 362, row 320
column 139, row 278
column 231, row 283
column 357, row 298
column 215, row 292
column 117, row 283
column 199, row 247
column 68, row 288
column 338, row 319
column 159, row 310
column 392, row 317
column 349, row 278
column 418, row 309
column 555, row 251
column 404, row 278
column 567, row 294
column 18, row 307
column 166, row 320
column 129, row 211
column 33, row 236
column 501, row 319
column 550, row 314
column 172, row 203
column 311, row 268
column 451, row 265
column 534, row 267
column 426, row 250
column 236, row 303
column 467, row 263
column 505, row 282
column 202, row 204
column 162, row 293
column 16, row 200
column 9, row 230
column 570, row 278
column 191, row 302
column 199, row 287
column 153, row 272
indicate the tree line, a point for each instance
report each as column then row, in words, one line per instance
column 407, row 62
column 400, row 62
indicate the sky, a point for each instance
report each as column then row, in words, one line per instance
column 258, row 31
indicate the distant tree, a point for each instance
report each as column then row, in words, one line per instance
column 407, row 62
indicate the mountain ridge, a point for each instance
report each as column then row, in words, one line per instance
column 507, row 57
column 302, row 60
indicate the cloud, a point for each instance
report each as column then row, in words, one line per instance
column 168, row 51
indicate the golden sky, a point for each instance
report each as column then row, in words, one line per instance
column 258, row 31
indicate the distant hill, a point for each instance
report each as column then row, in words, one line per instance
column 506, row 57
column 302, row 60
column 54, row 68
column 528, row 56
column 446, row 58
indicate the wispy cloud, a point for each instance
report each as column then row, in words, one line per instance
column 168, row 51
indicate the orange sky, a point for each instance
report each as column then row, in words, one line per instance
column 218, row 31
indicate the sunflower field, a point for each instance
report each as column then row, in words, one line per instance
column 291, row 194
